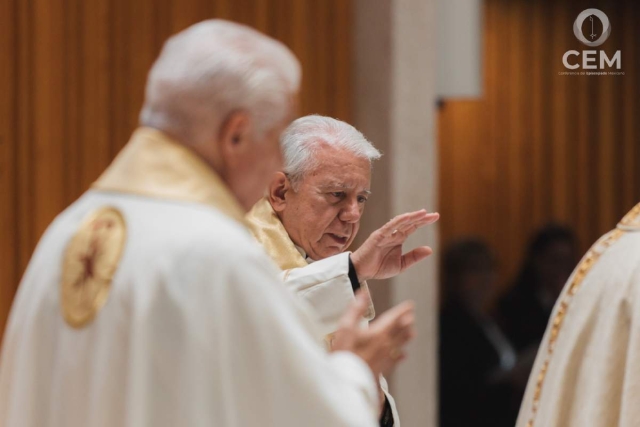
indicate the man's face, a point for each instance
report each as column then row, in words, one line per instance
column 322, row 215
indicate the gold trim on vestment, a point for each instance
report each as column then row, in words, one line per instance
column 631, row 221
column 269, row 231
column 154, row 165
column 587, row 263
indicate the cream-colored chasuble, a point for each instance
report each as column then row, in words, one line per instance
column 186, row 325
column 587, row 372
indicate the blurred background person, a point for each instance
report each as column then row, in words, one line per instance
column 549, row 260
column 524, row 310
column 475, row 354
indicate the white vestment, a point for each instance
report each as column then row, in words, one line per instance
column 324, row 285
column 587, row 372
column 196, row 329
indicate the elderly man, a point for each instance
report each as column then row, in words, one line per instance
column 148, row 303
column 312, row 213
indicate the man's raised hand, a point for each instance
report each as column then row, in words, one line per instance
column 380, row 256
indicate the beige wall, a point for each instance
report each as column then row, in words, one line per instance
column 394, row 105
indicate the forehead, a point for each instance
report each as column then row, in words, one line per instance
column 337, row 167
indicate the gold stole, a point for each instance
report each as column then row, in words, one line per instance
column 269, row 231
column 154, row 165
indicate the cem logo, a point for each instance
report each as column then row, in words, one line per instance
column 591, row 59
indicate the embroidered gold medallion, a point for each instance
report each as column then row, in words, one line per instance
column 89, row 264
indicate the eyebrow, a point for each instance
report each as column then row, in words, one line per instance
column 341, row 185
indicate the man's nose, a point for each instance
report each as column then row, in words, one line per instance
column 350, row 212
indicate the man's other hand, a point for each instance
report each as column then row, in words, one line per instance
column 381, row 345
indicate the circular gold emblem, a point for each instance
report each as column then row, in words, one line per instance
column 89, row 264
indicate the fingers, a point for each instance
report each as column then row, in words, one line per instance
column 395, row 329
column 427, row 219
column 401, row 220
column 356, row 310
column 394, row 319
column 414, row 256
column 398, row 310
column 402, row 330
column 387, row 337
column 402, row 226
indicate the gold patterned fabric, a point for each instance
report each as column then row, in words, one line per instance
column 631, row 221
column 269, row 231
column 90, row 261
column 154, row 165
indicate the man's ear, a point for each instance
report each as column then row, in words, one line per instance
column 234, row 137
column 279, row 189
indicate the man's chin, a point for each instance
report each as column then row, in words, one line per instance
column 329, row 252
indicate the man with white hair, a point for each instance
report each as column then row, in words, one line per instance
column 312, row 213
column 148, row 303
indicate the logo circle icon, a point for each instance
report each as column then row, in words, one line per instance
column 606, row 27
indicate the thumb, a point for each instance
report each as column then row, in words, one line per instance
column 356, row 310
column 416, row 255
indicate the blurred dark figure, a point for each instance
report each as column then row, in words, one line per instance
column 525, row 309
column 475, row 356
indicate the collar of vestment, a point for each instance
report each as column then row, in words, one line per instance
column 269, row 231
column 631, row 221
column 154, row 165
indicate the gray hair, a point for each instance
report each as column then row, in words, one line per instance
column 214, row 68
column 306, row 135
